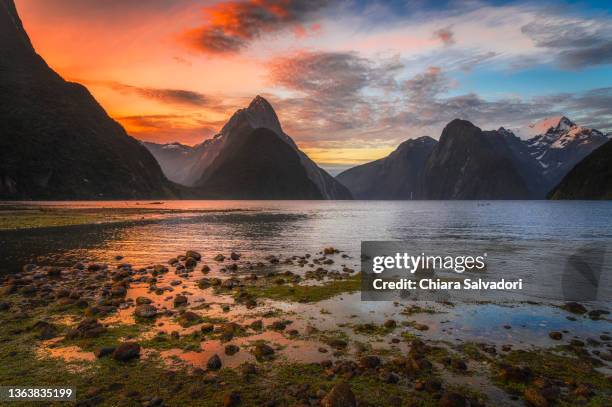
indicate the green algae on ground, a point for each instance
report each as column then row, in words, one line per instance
column 571, row 371
column 306, row 293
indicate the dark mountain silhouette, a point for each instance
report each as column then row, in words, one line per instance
column 468, row 163
column 194, row 166
column 57, row 142
column 589, row 179
column 396, row 176
column 262, row 166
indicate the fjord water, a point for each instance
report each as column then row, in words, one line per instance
column 527, row 231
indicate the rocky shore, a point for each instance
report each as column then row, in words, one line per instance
column 220, row 329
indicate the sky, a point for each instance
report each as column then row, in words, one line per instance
column 349, row 79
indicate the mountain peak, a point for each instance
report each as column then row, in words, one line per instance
column 258, row 114
column 550, row 124
column 17, row 55
column 260, row 103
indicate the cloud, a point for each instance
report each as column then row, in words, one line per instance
column 427, row 85
column 331, row 91
column 344, row 96
column 168, row 96
column 329, row 75
column 575, row 43
column 232, row 26
column 445, row 35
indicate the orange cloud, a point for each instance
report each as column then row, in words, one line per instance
column 231, row 27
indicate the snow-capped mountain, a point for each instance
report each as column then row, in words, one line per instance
column 558, row 144
column 468, row 163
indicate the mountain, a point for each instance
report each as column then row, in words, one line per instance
column 201, row 163
column 57, row 142
column 468, row 163
column 591, row 178
column 173, row 159
column 396, row 176
column 262, row 167
column 558, row 144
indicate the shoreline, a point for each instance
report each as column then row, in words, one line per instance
column 223, row 319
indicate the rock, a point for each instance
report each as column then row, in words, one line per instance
column 278, row 325
column 159, row 269
column 583, row 390
column 7, row 290
column 219, row 257
column 118, row 290
column 96, row 267
column 388, row 377
column 248, row 369
column 337, row 343
column 104, row 351
column 390, row 324
column 330, row 250
column 190, row 262
column 28, row 289
column 180, row 300
column 515, row 373
column 4, row 306
column 145, row 311
column 46, row 330
column 557, row 336
column 257, row 325
column 189, row 318
column 369, row 362
column 534, row 397
column 127, row 351
column 205, row 269
column 576, row 343
column 231, row 399
column 88, row 328
column 193, row 254
column 54, row 271
column 234, row 256
column 340, row 395
column 458, row 364
column 452, row 399
column 207, row 327
column 231, row 349
column 263, row 351
column 574, row 308
column 143, row 301
column 214, row 363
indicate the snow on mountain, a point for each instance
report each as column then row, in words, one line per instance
column 558, row 144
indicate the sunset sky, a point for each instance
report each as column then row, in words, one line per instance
column 349, row 79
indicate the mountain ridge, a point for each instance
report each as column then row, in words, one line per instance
column 540, row 162
column 57, row 141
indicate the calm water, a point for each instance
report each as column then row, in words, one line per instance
column 528, row 233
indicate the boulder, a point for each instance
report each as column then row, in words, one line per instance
column 340, row 395
column 127, row 351
column 145, row 311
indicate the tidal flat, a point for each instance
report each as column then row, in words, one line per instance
column 222, row 324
